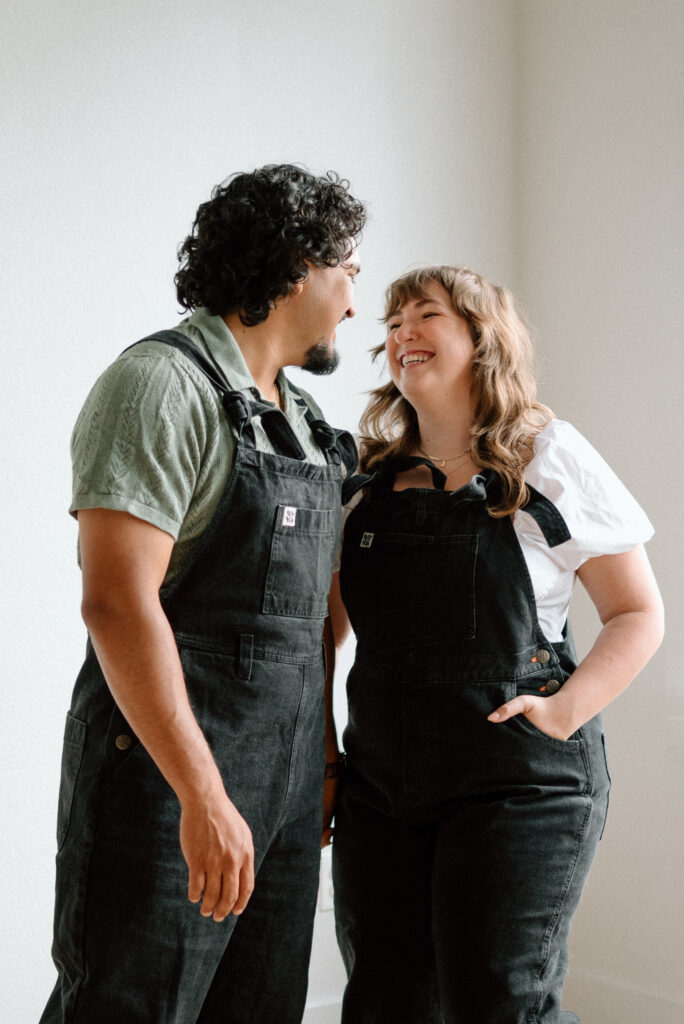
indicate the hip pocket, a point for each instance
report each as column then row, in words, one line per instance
column 300, row 563
column 72, row 756
column 523, row 724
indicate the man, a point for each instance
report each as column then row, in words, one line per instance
column 207, row 491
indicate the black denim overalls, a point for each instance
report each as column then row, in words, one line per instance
column 461, row 846
column 247, row 614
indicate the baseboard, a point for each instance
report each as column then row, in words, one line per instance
column 323, row 1013
column 598, row 999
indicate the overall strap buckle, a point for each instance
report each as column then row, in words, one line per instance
column 240, row 415
column 338, row 446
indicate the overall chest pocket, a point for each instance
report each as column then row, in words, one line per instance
column 300, row 562
column 408, row 589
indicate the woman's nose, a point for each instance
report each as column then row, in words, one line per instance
column 404, row 331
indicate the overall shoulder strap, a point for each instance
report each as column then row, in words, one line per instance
column 547, row 517
column 209, row 368
column 338, row 445
column 239, row 408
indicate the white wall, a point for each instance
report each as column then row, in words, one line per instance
column 117, row 120
column 601, row 226
column 532, row 140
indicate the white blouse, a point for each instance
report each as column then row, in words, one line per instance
column 602, row 516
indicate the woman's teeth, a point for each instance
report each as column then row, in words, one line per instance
column 414, row 357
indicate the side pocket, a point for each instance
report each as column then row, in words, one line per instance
column 72, row 755
column 605, row 758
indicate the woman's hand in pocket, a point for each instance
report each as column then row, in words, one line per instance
column 548, row 714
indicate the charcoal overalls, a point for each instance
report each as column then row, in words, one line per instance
column 247, row 613
column 461, row 846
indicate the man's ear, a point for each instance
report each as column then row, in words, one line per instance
column 297, row 287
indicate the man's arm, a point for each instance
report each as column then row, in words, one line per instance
column 124, row 561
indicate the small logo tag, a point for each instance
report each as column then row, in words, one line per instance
column 367, row 540
column 289, row 515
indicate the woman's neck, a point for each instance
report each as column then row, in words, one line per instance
column 445, row 433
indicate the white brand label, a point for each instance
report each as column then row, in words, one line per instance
column 289, row 515
column 367, row 540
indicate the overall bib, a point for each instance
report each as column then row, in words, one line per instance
column 247, row 613
column 461, row 846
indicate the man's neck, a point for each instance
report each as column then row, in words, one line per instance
column 262, row 349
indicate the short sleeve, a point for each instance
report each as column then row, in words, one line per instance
column 602, row 516
column 141, row 439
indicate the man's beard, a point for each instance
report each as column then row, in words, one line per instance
column 320, row 360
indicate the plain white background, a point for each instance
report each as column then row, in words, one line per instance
column 539, row 142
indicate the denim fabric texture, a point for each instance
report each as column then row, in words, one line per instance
column 247, row 615
column 461, row 846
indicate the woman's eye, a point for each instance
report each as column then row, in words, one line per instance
column 426, row 315
column 393, row 327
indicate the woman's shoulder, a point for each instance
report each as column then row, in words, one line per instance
column 560, row 442
column 570, row 472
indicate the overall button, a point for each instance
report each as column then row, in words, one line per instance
column 123, row 741
column 552, row 686
column 542, row 656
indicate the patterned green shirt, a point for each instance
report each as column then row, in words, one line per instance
column 153, row 439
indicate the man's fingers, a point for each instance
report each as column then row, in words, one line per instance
column 196, row 881
column 226, row 903
column 246, row 887
column 212, row 893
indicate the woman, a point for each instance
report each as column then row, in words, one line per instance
column 477, row 785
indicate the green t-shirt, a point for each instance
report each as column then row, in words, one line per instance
column 153, row 439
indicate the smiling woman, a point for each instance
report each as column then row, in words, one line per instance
column 477, row 347
column 475, row 745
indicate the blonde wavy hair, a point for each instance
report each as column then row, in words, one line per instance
column 507, row 416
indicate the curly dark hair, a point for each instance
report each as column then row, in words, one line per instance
column 250, row 243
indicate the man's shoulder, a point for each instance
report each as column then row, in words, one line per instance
column 154, row 366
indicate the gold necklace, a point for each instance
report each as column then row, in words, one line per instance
column 442, row 462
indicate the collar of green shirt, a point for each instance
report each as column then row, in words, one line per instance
column 211, row 334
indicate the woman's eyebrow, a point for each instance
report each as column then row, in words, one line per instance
column 417, row 302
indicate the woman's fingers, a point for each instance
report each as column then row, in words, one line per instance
column 517, row 706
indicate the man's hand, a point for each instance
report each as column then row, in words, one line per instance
column 217, row 844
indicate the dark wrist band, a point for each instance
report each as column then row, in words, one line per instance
column 334, row 769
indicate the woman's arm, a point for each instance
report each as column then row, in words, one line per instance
column 625, row 594
column 335, row 632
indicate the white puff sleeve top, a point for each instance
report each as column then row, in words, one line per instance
column 602, row 516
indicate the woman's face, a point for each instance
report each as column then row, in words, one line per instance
column 429, row 347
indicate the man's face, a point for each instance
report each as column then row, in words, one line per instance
column 326, row 299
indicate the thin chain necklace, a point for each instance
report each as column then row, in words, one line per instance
column 442, row 462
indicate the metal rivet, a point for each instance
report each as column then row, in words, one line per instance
column 123, row 741
column 543, row 656
column 552, row 686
